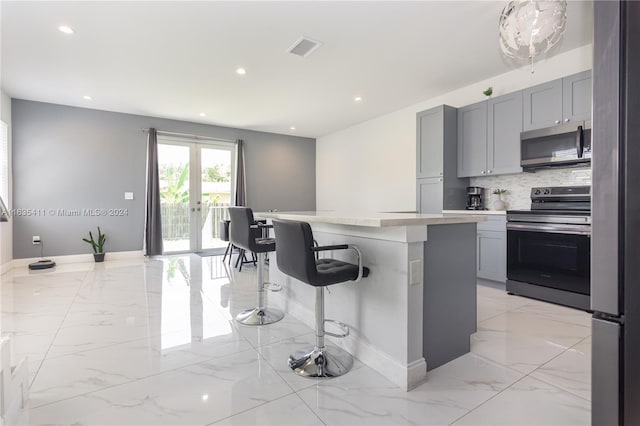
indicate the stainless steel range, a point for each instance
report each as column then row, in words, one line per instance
column 549, row 246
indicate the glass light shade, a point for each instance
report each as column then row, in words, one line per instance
column 530, row 28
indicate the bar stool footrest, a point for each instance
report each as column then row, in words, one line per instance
column 272, row 287
column 342, row 326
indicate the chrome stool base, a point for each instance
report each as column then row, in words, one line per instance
column 257, row 316
column 326, row 362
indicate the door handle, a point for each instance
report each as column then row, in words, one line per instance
column 193, row 209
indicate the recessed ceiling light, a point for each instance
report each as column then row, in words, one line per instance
column 241, row 71
column 292, row 127
column 87, row 97
column 205, row 397
column 65, row 29
column 358, row 99
column 202, row 114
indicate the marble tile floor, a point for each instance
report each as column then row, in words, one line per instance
column 152, row 342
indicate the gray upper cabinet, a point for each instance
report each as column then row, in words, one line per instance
column 503, row 134
column 430, row 136
column 489, row 136
column 558, row 101
column 489, row 131
column 576, row 101
column 438, row 186
column 472, row 140
column 543, row 105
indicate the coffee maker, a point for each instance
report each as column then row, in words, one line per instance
column 474, row 198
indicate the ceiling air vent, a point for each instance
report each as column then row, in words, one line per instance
column 304, row 46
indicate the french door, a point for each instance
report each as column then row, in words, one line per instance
column 196, row 187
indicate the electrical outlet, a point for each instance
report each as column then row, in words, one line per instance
column 415, row 272
column 36, row 239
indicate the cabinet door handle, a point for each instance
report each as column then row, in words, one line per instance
column 482, row 172
column 566, row 120
column 440, row 173
column 489, row 171
column 557, row 121
column 439, row 179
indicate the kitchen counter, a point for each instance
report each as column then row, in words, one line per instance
column 476, row 212
column 422, row 270
column 374, row 219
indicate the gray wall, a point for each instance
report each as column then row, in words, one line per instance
column 76, row 158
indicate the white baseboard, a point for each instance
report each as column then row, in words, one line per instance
column 6, row 267
column 78, row 258
column 406, row 377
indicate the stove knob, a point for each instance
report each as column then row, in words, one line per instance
column 536, row 192
column 547, row 191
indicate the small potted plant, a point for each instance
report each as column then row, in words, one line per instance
column 499, row 204
column 98, row 246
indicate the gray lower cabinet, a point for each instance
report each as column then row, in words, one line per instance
column 559, row 101
column 430, row 195
column 492, row 249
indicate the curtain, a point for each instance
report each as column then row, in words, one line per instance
column 241, row 179
column 153, row 219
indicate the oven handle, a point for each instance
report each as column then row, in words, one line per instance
column 551, row 228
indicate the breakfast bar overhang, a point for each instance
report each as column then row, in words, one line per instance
column 417, row 308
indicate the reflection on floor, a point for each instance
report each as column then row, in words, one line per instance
column 153, row 342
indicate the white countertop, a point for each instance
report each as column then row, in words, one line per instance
column 373, row 219
column 475, row 212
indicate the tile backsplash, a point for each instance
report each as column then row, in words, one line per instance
column 519, row 186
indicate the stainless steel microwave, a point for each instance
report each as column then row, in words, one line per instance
column 559, row 146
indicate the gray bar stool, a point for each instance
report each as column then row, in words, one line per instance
column 296, row 257
column 242, row 233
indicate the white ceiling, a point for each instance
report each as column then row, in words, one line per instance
column 177, row 59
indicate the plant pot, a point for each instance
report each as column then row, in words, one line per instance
column 499, row 204
column 98, row 257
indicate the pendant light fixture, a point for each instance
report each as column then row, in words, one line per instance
column 530, row 28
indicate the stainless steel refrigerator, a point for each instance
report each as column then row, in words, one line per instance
column 615, row 242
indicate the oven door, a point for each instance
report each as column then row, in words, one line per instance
column 550, row 255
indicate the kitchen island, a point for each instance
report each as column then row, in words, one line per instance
column 417, row 308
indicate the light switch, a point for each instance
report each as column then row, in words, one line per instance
column 128, row 195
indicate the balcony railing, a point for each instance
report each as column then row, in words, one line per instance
column 175, row 219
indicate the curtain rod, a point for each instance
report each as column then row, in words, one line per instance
column 162, row 132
